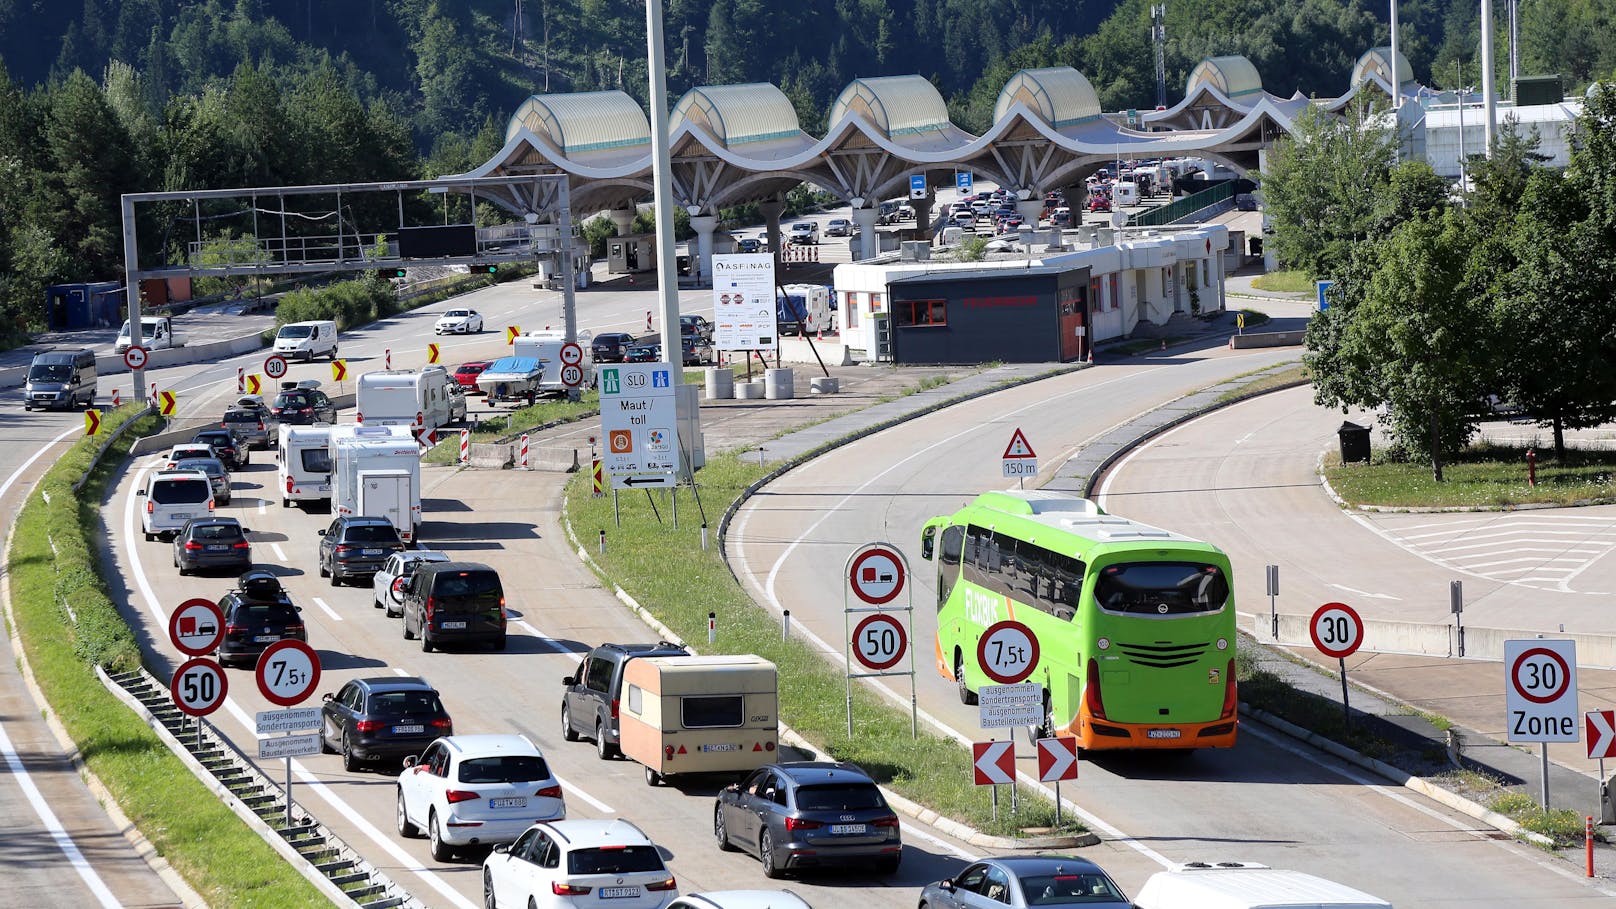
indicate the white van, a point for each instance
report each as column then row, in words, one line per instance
column 303, row 464
column 1124, row 194
column 307, row 340
column 172, row 498
column 405, row 397
column 1246, row 885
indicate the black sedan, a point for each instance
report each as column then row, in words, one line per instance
column 1027, row 880
column 610, row 346
column 382, row 719
column 643, row 353
column 801, row 814
column 212, row 543
column 226, row 447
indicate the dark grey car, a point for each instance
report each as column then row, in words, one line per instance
column 212, row 543
column 251, row 423
column 218, row 476
column 589, row 704
column 801, row 814
column 356, row 546
column 455, row 602
column 381, row 719
column 1026, row 880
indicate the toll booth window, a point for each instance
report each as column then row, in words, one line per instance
column 711, row 712
column 920, row 313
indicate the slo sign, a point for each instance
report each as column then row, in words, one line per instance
column 1540, row 690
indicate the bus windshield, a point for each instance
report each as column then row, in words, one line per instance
column 1161, row 588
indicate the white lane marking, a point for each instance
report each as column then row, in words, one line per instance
column 1364, row 593
column 403, row 858
column 919, row 834
column 64, row 842
column 598, row 805
column 4, row 487
column 328, row 610
column 279, row 553
column 1511, row 533
column 400, row 671
column 1508, row 547
column 263, row 506
column 543, row 638
column 1535, row 561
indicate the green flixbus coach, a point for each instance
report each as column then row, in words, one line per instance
column 1135, row 624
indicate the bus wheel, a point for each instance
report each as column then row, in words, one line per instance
column 966, row 695
column 1047, row 729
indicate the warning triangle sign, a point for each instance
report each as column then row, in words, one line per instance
column 1018, row 447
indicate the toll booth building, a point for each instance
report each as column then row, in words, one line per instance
column 1050, row 307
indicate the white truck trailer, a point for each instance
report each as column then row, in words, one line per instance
column 377, row 476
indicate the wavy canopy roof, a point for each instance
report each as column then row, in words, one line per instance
column 583, row 121
column 1059, row 94
column 1233, row 75
column 1377, row 62
column 897, row 106
column 736, row 115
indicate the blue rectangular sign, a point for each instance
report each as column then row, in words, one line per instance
column 917, row 186
column 1324, row 286
column 962, row 181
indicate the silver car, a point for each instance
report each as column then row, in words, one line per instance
column 387, row 586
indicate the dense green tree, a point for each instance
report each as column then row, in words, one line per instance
column 91, row 165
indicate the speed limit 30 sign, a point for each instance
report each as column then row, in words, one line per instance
column 879, row 641
column 1540, row 690
column 1336, row 629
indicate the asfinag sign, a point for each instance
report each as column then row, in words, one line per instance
column 743, row 302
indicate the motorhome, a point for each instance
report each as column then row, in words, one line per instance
column 804, row 309
column 303, row 464
column 377, row 475
column 1244, row 885
column 156, row 333
column 699, row 714
column 404, row 397
column 60, row 378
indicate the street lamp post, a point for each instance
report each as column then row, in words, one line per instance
column 662, row 185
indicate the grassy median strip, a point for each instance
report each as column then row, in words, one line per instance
column 226, row 862
column 1481, row 476
column 667, row 572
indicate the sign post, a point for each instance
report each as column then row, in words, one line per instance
column 876, row 575
column 1540, row 695
column 1337, row 631
column 1057, row 760
column 1273, row 594
column 1019, row 460
column 288, row 672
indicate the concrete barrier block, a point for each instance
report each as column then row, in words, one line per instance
column 824, row 385
column 491, row 455
column 750, row 391
column 1266, row 339
column 556, row 459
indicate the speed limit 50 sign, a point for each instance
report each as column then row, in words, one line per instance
column 1540, row 690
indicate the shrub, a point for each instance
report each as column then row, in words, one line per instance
column 348, row 303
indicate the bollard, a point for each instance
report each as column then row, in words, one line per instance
column 1531, row 467
column 115, row 400
column 1588, row 841
column 387, row 358
column 525, row 462
column 241, row 380
column 603, row 542
column 465, row 446
column 712, row 627
column 703, row 536
column 785, row 624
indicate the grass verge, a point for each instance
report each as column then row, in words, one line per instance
column 1485, row 475
column 55, row 559
column 1254, row 317
column 1263, row 380
column 1284, row 282
column 641, row 556
column 493, row 429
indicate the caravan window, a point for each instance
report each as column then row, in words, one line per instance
column 636, row 699
column 316, row 460
column 712, row 712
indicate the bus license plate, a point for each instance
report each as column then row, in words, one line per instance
column 611, row 893
column 519, row 801
column 847, row 828
column 1163, row 734
column 727, row 746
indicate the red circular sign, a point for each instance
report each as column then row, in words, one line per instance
column 135, row 358
column 1007, row 652
column 275, row 366
column 196, row 627
column 1336, row 630
column 572, row 375
column 287, row 673
column 199, row 687
column 876, row 575
column 879, row 641
column 571, row 354
column 1554, row 695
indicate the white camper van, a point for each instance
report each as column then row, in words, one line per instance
column 1245, row 885
column 303, row 464
column 804, row 309
column 377, row 475
column 405, row 397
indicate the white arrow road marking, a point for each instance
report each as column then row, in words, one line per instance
column 1364, row 593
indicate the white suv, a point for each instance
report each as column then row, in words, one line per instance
column 468, row 790
column 579, row 863
column 172, row 498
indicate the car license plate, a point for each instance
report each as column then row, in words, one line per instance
column 373, row 552
column 519, row 801
column 847, row 828
column 266, row 638
column 1163, row 734
column 414, row 729
column 217, row 547
column 453, row 626
column 323, row 487
column 725, row 746
column 612, row 893
column 180, row 515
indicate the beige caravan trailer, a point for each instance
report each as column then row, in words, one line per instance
column 700, row 714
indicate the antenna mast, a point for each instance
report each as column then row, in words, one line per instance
column 1158, row 35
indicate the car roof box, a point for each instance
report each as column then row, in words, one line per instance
column 260, row 585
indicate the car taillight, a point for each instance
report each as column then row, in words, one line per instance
column 442, row 722
column 344, row 549
column 549, row 792
column 305, row 410
column 797, row 823
column 210, row 504
column 243, row 545
column 560, row 889
column 663, row 886
column 359, row 416
column 260, row 425
column 1231, row 696
column 369, row 725
column 460, row 795
column 1091, row 692
column 430, row 605
column 614, row 708
column 885, row 822
column 149, row 507
column 192, row 546
column 295, row 629
column 235, row 629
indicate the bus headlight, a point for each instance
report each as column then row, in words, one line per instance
column 1103, row 643
column 1223, row 644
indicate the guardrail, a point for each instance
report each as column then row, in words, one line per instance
column 1180, row 209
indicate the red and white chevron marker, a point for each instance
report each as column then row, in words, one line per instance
column 1057, row 759
column 524, row 451
column 116, row 401
column 465, row 446
column 993, row 762
column 1600, row 729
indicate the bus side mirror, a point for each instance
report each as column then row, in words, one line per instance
column 928, row 539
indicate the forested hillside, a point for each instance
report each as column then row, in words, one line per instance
column 101, row 97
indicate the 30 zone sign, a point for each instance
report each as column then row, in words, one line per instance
column 879, row 641
column 1540, row 690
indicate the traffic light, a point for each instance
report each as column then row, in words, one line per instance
column 491, row 269
column 398, row 272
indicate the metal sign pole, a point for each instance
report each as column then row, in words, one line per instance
column 617, row 517
column 1543, row 749
column 1057, row 805
column 1273, row 593
column 1346, row 712
column 914, row 706
column 288, row 793
column 847, row 639
column 995, row 803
